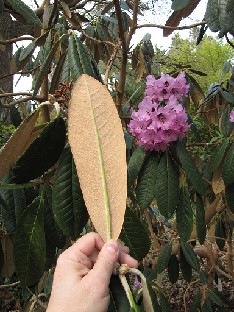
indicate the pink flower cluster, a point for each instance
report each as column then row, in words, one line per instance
column 160, row 118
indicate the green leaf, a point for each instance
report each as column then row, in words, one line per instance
column 207, row 307
column 190, row 256
column 45, row 68
column 67, row 200
column 217, row 155
column 229, row 195
column 196, row 302
column 118, row 298
column 25, row 11
column 184, row 215
column 173, row 269
column 153, row 296
column 179, row 4
column 27, row 51
column 29, row 246
column 135, row 236
column 190, row 168
column 226, row 126
column 167, row 186
column 146, row 183
column 215, row 298
column 200, row 219
column 185, row 267
column 164, row 257
column 228, row 166
column 54, row 235
column 43, row 153
column 15, row 116
column 20, row 203
column 226, row 67
column 227, row 96
column 65, row 72
column 135, row 164
column 164, row 304
column 8, row 204
column 220, row 231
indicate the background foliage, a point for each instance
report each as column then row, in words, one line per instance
column 180, row 205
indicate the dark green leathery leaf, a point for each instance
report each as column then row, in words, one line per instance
column 43, row 153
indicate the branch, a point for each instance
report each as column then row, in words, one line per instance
column 15, row 94
column 134, row 22
column 13, row 40
column 9, row 285
column 25, row 99
column 171, row 27
column 229, row 42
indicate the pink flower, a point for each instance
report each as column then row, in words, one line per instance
column 232, row 116
column 160, row 118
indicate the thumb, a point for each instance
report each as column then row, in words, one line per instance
column 106, row 261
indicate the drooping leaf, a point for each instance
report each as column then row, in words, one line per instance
column 195, row 91
column 200, row 219
column 15, row 116
column 164, row 304
column 190, row 168
column 229, row 195
column 135, row 164
column 25, row 11
column 54, row 235
column 29, row 246
column 146, row 183
column 135, row 236
column 215, row 298
column 20, row 203
column 43, row 153
column 184, row 214
column 45, row 68
column 228, row 166
column 217, row 155
column 226, row 67
column 164, row 257
column 173, row 269
column 225, row 125
column 185, row 267
column 67, row 200
column 190, row 256
column 167, row 186
column 178, row 15
column 118, row 298
column 196, row 304
column 17, row 143
column 220, row 231
column 8, row 204
column 100, row 154
column 149, row 276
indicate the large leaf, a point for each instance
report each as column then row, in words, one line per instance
column 135, row 164
column 190, row 168
column 17, row 143
column 167, row 190
column 185, row 267
column 225, row 125
column 184, row 214
column 25, row 11
column 178, row 15
column 43, row 153
column 228, row 166
column 98, row 147
column 29, row 246
column 200, row 219
column 164, row 257
column 135, row 236
column 118, row 298
column 67, row 200
column 146, row 183
column 217, row 155
column 190, row 256
column 173, row 269
column 229, row 195
column 54, row 235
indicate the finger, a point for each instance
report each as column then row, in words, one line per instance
column 127, row 259
column 88, row 243
column 124, row 249
column 106, row 262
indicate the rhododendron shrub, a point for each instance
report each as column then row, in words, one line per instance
column 161, row 118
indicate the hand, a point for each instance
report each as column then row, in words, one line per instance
column 82, row 275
